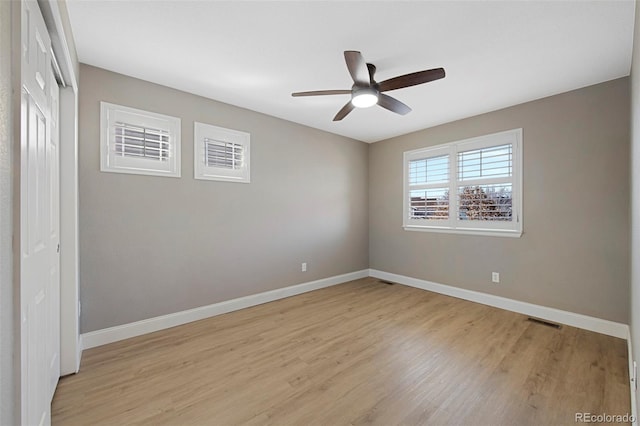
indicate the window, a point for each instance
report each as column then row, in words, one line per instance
column 138, row 142
column 472, row 186
column 221, row 154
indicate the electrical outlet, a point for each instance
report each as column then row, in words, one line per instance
column 304, row 267
column 495, row 277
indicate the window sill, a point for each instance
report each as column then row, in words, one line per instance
column 466, row 231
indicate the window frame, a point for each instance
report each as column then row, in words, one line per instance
column 110, row 161
column 202, row 131
column 453, row 224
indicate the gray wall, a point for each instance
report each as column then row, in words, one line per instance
column 155, row 245
column 6, row 204
column 573, row 254
column 635, row 191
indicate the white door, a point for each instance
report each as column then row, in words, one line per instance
column 36, row 218
column 54, row 239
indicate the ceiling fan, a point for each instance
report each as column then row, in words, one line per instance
column 366, row 92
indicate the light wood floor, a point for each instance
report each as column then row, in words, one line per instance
column 360, row 352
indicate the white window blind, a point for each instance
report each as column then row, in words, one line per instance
column 429, row 170
column 470, row 186
column 221, row 154
column 429, row 183
column 487, row 190
column 227, row 155
column 430, row 204
column 492, row 162
column 138, row 142
column 485, row 202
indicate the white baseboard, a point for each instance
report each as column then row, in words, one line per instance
column 121, row 332
column 80, row 348
column 632, row 385
column 138, row 328
column 125, row 331
column 585, row 322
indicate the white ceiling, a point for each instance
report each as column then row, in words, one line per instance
column 254, row 54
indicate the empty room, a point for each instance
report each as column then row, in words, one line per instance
column 319, row 212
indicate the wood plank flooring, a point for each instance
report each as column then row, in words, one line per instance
column 363, row 352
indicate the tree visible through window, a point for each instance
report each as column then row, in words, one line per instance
column 485, row 203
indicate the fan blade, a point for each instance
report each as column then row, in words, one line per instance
column 412, row 79
column 392, row 104
column 357, row 67
column 344, row 111
column 322, row 92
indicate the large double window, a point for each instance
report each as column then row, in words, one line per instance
column 472, row 186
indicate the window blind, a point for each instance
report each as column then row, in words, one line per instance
column 490, row 162
column 141, row 142
column 429, row 188
column 477, row 198
column 221, row 154
column 429, row 204
column 471, row 186
column 485, row 202
column 429, row 170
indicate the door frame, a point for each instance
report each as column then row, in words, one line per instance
column 70, row 344
column 56, row 19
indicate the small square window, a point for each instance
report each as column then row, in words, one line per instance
column 221, row 154
column 138, row 142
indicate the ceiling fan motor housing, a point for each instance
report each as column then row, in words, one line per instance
column 364, row 97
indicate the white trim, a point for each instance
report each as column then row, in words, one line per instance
column 66, row 61
column 632, row 387
column 572, row 319
column 138, row 328
column 70, row 346
column 202, row 131
column 70, row 349
column 110, row 161
column 126, row 331
column 466, row 231
column 453, row 224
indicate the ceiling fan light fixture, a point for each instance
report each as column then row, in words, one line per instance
column 364, row 98
column 366, row 92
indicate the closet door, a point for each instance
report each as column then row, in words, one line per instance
column 54, row 238
column 39, row 276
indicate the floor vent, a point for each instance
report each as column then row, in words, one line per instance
column 543, row 322
column 386, row 282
